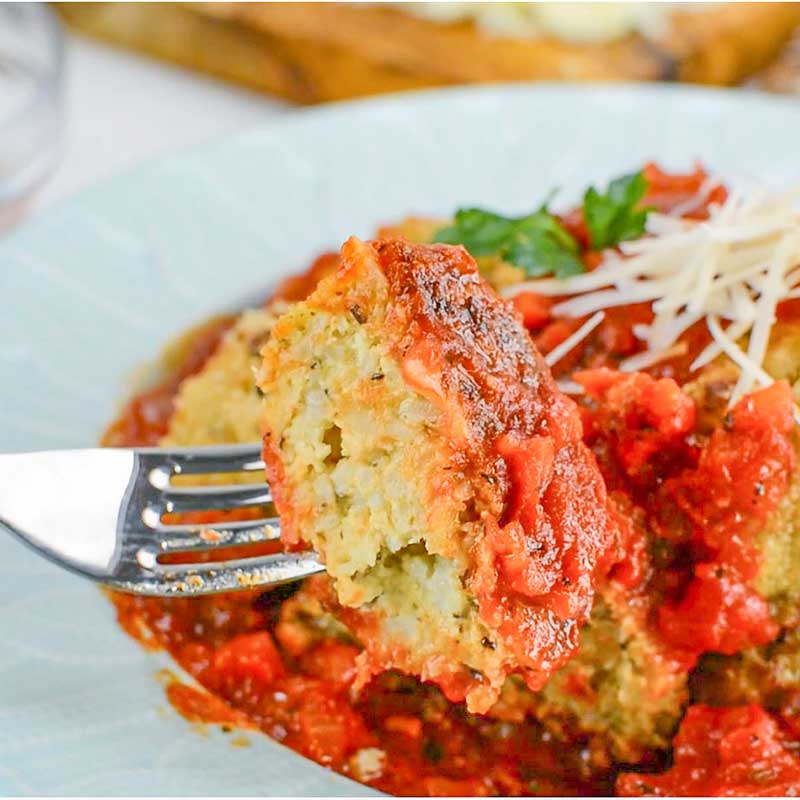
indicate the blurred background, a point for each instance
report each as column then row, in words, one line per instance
column 88, row 89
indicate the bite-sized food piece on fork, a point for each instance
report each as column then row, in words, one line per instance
column 415, row 438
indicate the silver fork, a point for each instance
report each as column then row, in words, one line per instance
column 99, row 513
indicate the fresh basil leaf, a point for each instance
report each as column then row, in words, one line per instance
column 539, row 255
column 538, row 243
column 616, row 216
column 481, row 232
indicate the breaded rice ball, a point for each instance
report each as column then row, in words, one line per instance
column 615, row 687
column 623, row 685
column 221, row 404
column 415, row 438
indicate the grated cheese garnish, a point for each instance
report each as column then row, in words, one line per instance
column 731, row 270
column 570, row 387
column 574, row 339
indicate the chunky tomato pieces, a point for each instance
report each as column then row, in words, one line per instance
column 692, row 193
column 717, row 612
column 534, row 308
column 723, row 752
column 635, row 424
column 709, row 496
column 248, row 663
column 742, row 473
column 328, row 727
column 712, row 496
column 549, row 551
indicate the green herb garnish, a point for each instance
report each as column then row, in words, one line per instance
column 538, row 243
column 615, row 216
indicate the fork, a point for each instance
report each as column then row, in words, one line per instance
column 99, row 512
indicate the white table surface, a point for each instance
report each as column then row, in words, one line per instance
column 121, row 108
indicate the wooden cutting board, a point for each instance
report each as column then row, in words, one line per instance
column 315, row 52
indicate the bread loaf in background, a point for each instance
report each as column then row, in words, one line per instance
column 316, row 52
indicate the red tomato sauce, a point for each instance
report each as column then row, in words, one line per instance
column 260, row 675
column 723, row 752
column 145, row 417
column 706, row 496
column 702, row 492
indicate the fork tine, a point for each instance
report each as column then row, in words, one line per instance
column 210, row 498
column 183, row 580
column 163, row 465
column 212, row 537
column 142, row 547
column 213, row 458
column 154, row 525
column 231, row 489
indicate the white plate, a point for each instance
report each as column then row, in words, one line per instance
column 96, row 286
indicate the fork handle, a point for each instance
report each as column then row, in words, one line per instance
column 66, row 503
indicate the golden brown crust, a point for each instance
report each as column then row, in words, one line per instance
column 463, row 348
column 315, row 52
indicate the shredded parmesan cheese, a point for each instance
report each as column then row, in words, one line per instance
column 731, row 271
column 570, row 387
column 560, row 350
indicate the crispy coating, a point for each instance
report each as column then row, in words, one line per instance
column 623, row 685
column 221, row 403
